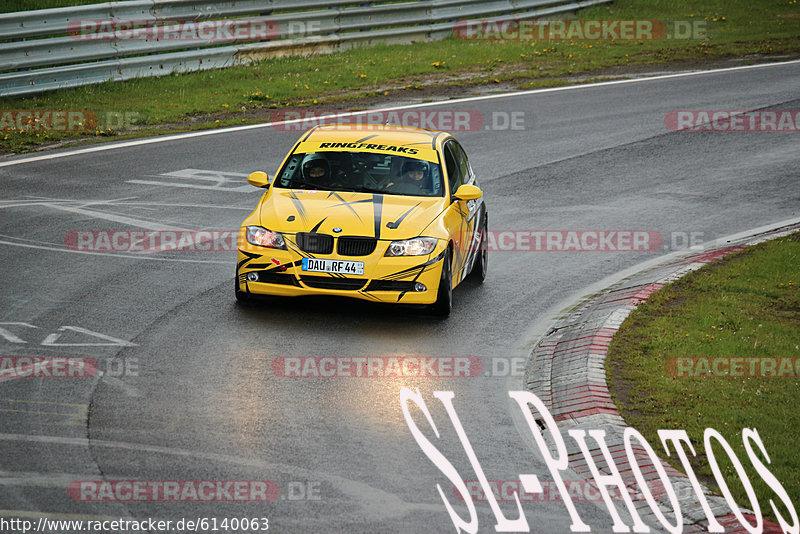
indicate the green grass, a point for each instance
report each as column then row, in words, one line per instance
column 9, row 6
column 746, row 305
column 246, row 94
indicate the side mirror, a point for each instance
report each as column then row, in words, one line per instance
column 468, row 192
column 258, row 179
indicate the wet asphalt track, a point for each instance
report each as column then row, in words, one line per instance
column 204, row 403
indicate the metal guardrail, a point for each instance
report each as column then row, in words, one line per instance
column 44, row 50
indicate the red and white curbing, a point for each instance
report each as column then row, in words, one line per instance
column 567, row 371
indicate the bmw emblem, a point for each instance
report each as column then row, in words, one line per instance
column 337, row 229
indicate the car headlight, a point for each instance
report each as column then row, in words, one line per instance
column 419, row 246
column 262, row 237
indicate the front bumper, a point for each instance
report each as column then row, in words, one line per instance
column 385, row 279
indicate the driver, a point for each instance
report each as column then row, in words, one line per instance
column 316, row 169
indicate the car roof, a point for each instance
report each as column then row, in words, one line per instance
column 376, row 133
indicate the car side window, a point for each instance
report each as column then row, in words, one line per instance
column 454, row 169
column 467, row 177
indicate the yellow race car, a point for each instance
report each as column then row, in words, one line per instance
column 379, row 213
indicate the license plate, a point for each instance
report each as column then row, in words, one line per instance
column 333, row 266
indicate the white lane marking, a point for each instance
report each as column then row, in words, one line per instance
column 374, row 502
column 138, row 223
column 50, row 340
column 33, row 478
column 177, row 137
column 109, row 254
column 123, row 219
column 24, row 203
column 204, row 206
column 11, row 338
column 240, row 189
column 219, row 178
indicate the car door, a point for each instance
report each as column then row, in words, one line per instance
column 461, row 215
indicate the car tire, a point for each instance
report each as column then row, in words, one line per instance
column 241, row 296
column 444, row 296
column 481, row 264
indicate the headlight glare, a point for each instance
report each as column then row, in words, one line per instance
column 262, row 237
column 419, row 246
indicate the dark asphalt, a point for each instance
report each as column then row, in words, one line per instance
column 205, row 403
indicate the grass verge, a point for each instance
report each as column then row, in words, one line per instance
column 10, row 6
column 239, row 95
column 746, row 305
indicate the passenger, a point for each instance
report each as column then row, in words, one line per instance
column 413, row 179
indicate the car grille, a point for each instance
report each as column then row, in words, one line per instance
column 329, row 282
column 356, row 246
column 267, row 277
column 391, row 285
column 314, row 243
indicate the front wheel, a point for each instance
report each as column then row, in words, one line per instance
column 444, row 297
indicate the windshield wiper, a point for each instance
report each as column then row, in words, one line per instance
column 303, row 185
column 365, row 189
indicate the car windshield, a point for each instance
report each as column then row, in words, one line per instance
column 363, row 172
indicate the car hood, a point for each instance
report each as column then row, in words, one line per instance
column 356, row 214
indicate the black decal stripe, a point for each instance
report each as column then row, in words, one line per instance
column 400, row 274
column 294, row 248
column 250, row 256
column 472, row 251
column 405, row 274
column 368, row 294
column 298, row 204
column 316, row 227
column 347, row 204
column 460, row 257
column 367, row 138
column 416, row 277
column 394, row 224
column 378, row 211
column 401, row 295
